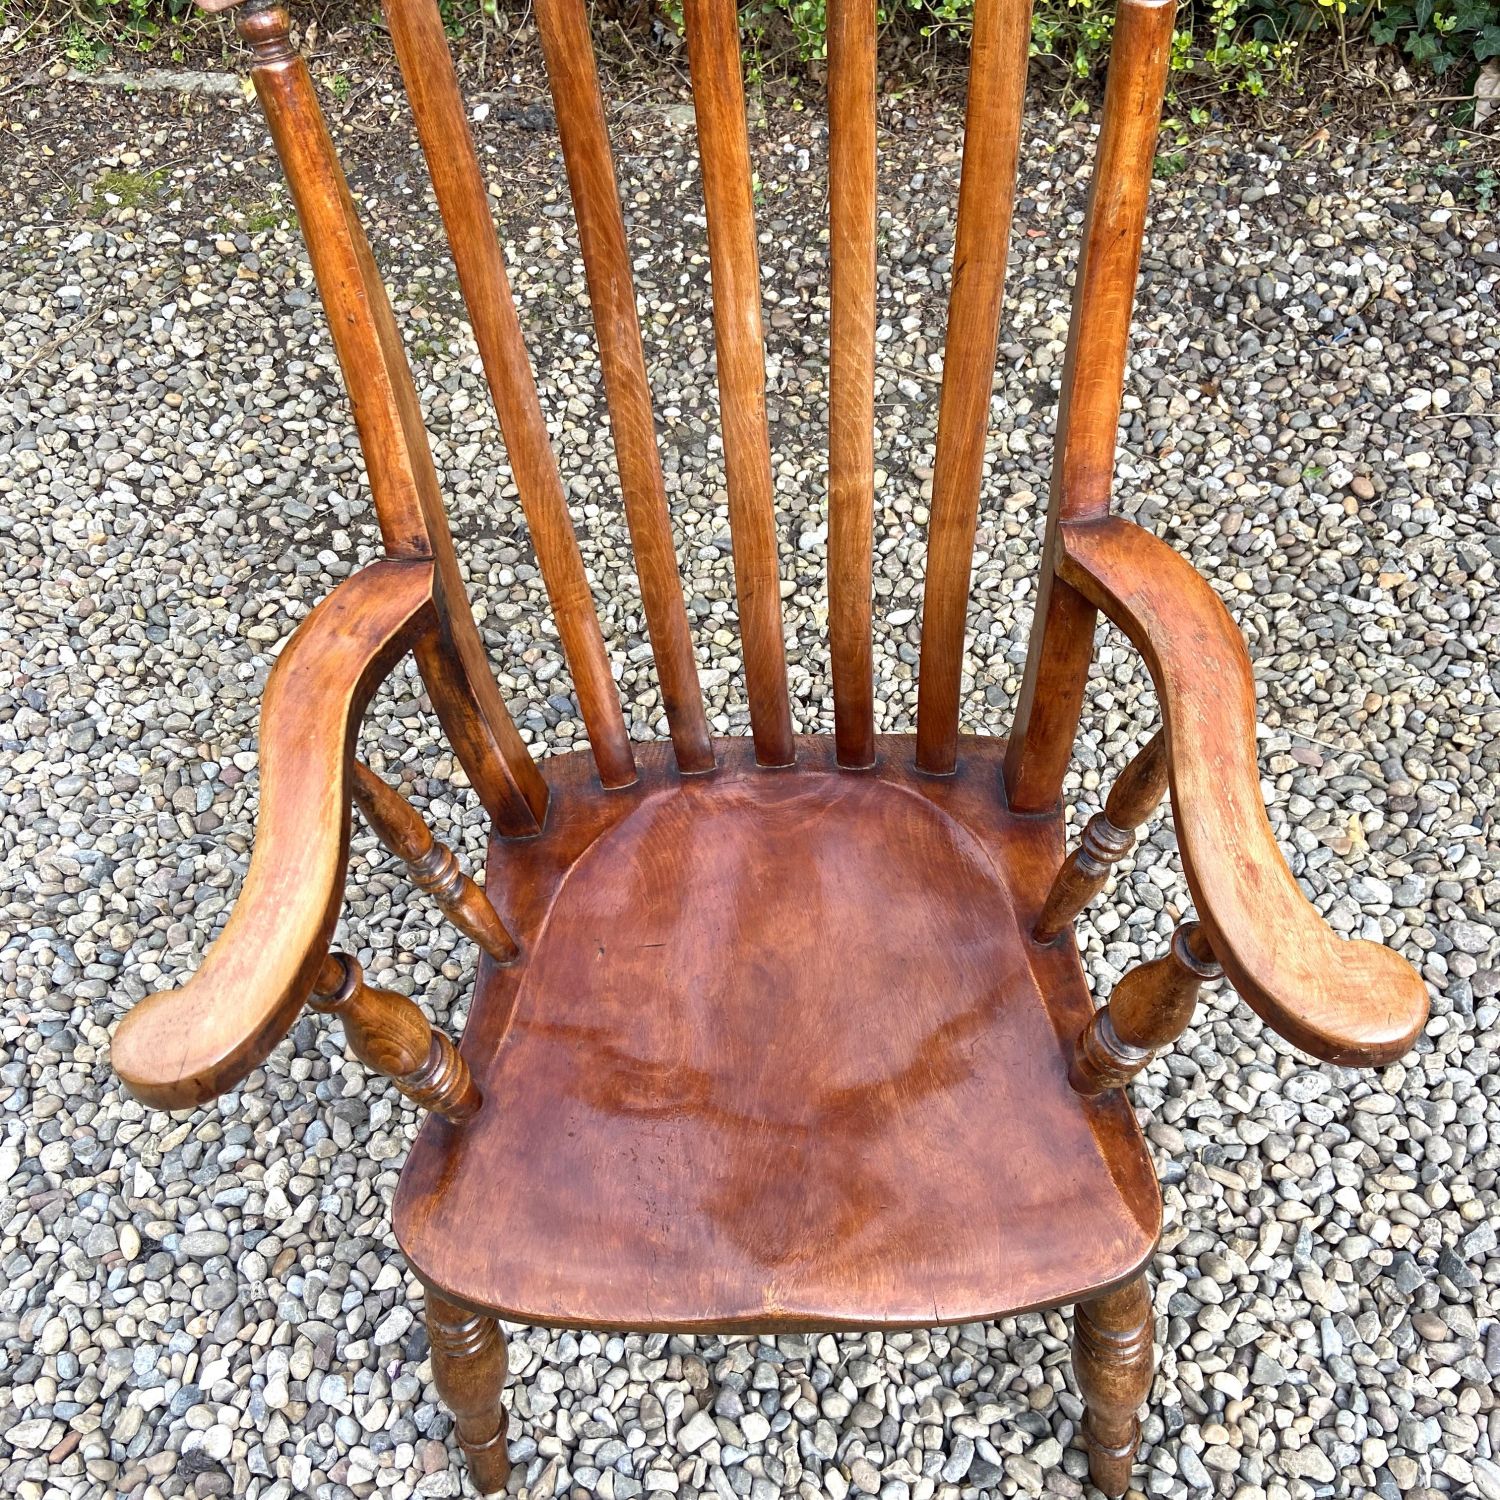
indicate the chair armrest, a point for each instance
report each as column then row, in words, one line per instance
column 179, row 1048
column 1343, row 1001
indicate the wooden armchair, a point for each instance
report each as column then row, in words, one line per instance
column 787, row 1031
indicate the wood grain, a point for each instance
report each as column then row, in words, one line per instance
column 403, row 481
column 469, row 1369
column 569, row 51
column 1088, row 411
column 437, row 106
column 986, row 197
column 1348, row 1002
column 736, row 1098
column 181, row 1048
column 851, row 373
column 432, row 865
column 389, row 1034
column 734, row 265
column 1114, row 1359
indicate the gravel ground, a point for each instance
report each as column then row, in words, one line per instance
column 213, row 1304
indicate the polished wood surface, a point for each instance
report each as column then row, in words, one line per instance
column 1114, row 1359
column 1108, row 837
column 432, row 865
column 182, row 1047
column 1148, row 1010
column 469, row 1369
column 438, row 109
column 851, row 373
column 734, row 266
column 403, row 481
column 1088, row 410
column 787, row 1035
column 569, row 51
column 1344, row 1001
column 717, row 1116
column 388, row 1033
column 986, row 197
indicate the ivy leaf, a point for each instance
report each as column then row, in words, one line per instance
column 1487, row 44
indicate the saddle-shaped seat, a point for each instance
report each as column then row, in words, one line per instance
column 779, row 1054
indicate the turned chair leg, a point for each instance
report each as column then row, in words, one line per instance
column 1113, row 1358
column 469, row 1366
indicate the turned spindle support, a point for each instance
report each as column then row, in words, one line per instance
column 1150, row 1007
column 389, row 1033
column 1108, row 838
column 433, row 866
column 469, row 1367
column 1113, row 1359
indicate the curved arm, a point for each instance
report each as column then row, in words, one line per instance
column 1343, row 1001
column 177, row 1049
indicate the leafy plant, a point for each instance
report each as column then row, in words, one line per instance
column 1439, row 34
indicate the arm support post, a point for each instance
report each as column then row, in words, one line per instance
column 1109, row 837
column 433, row 866
column 389, row 1033
column 1151, row 1007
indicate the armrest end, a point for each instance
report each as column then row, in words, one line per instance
column 179, row 1049
column 1345, row 1002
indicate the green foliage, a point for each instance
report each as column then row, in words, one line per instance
column 1440, row 34
column 131, row 189
column 1242, row 46
column 1245, row 47
column 97, row 25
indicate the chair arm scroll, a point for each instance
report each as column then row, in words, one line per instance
column 177, row 1049
column 1343, row 1001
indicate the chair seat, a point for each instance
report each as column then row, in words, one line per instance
column 778, row 1053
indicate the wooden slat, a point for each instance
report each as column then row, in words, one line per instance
column 437, row 106
column 986, row 196
column 1088, row 412
column 569, row 50
column 724, row 149
column 851, row 373
column 403, row 480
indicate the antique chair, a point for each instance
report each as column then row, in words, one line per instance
column 784, row 1031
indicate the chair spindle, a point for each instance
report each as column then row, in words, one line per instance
column 569, row 51
column 851, row 374
column 403, row 481
column 734, row 267
column 1150, row 1007
column 433, row 866
column 1088, row 413
column 438, row 109
column 986, row 197
column 389, row 1033
column 1108, row 838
